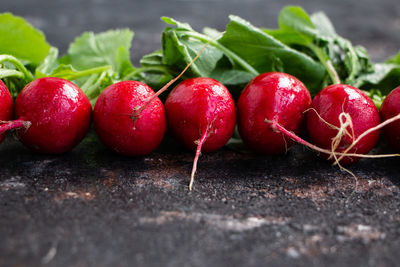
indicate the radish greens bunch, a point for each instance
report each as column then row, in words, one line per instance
column 305, row 46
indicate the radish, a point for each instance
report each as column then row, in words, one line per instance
column 6, row 103
column 339, row 115
column 137, row 114
column 118, row 125
column 391, row 108
column 201, row 115
column 272, row 97
column 53, row 115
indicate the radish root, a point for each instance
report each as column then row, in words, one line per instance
column 345, row 122
column 10, row 125
column 279, row 128
column 199, row 143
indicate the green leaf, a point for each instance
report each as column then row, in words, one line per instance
column 213, row 33
column 315, row 36
column 21, row 40
column 395, row 59
column 124, row 61
column 63, row 71
column 180, row 48
column 261, row 51
column 288, row 37
column 48, row 64
column 152, row 59
column 376, row 96
column 180, row 25
column 384, row 78
column 108, row 48
column 242, row 52
column 231, row 76
column 96, row 83
column 323, row 24
column 153, row 72
column 156, row 81
column 295, row 19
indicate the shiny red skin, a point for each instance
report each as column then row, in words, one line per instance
column 332, row 101
column 116, row 125
column 6, row 106
column 197, row 103
column 59, row 112
column 390, row 108
column 277, row 97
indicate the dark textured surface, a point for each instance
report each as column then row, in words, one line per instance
column 91, row 207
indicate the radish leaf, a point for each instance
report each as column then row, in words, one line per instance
column 21, row 40
column 92, row 50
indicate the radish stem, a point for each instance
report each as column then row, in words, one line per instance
column 5, row 73
column 27, row 75
column 157, row 69
column 327, row 64
column 84, row 73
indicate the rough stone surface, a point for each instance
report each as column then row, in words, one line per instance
column 91, row 207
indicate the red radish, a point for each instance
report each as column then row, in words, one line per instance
column 272, row 97
column 140, row 120
column 116, row 122
column 53, row 115
column 201, row 115
column 389, row 109
column 6, row 103
column 340, row 114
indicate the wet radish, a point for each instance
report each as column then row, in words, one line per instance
column 201, row 115
column 118, row 124
column 6, row 103
column 271, row 97
column 389, row 109
column 52, row 115
column 340, row 114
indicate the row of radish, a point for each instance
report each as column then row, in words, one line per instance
column 52, row 115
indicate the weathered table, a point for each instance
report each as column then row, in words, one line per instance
column 91, row 207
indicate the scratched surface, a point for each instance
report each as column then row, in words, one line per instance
column 91, row 207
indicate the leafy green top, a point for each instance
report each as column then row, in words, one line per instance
column 306, row 46
column 21, row 40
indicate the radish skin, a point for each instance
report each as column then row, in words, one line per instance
column 343, row 108
column 52, row 115
column 201, row 116
column 6, row 105
column 119, row 126
column 271, row 97
column 389, row 109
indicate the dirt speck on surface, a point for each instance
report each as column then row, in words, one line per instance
column 366, row 233
column 13, row 183
column 60, row 196
column 227, row 223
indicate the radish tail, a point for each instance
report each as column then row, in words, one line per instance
column 276, row 126
column 10, row 125
column 196, row 158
